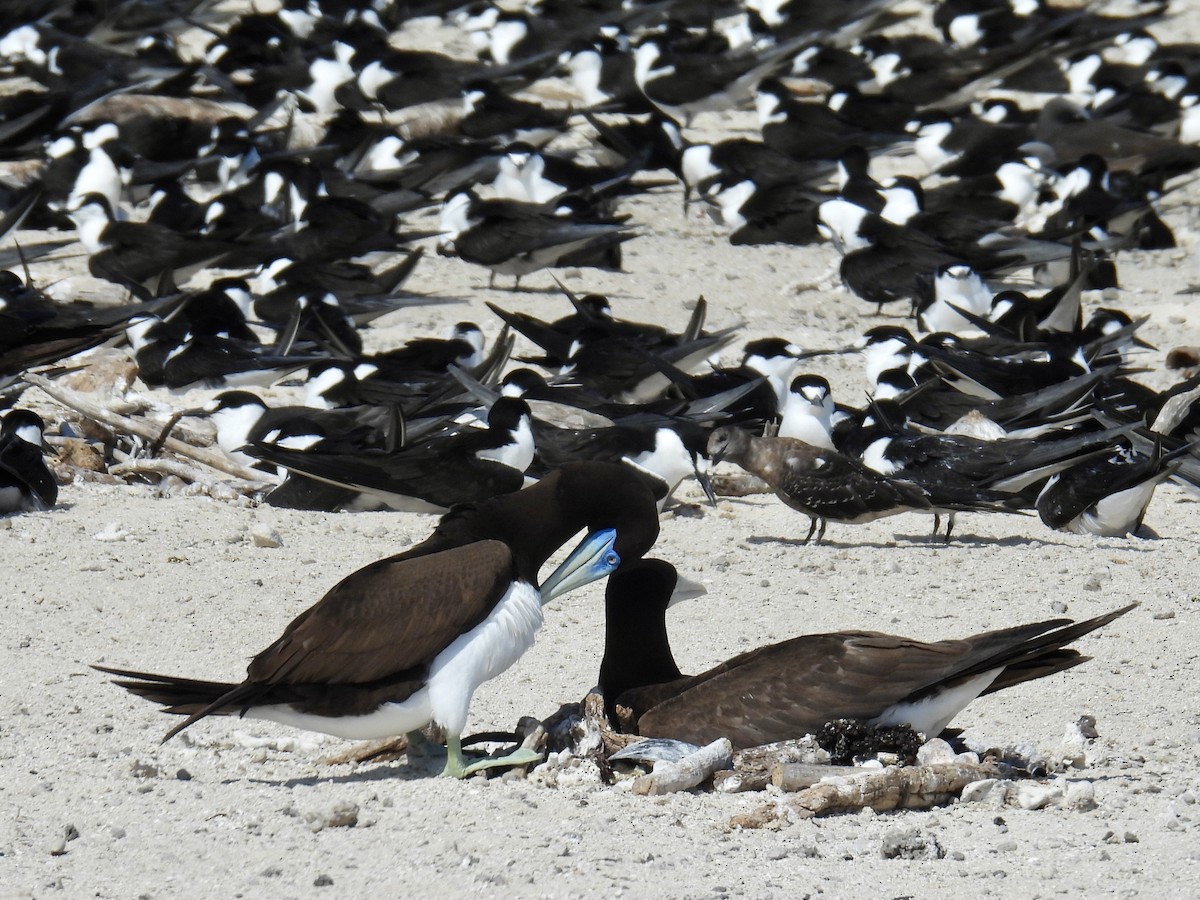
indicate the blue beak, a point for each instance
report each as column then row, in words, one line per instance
column 592, row 560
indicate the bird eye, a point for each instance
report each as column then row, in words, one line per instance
column 612, row 559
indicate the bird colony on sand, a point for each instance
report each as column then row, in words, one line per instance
column 256, row 188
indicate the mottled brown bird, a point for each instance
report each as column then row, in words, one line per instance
column 790, row 689
column 823, row 484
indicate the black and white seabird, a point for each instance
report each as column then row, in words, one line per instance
column 822, row 484
column 407, row 640
column 513, row 238
column 26, row 483
column 787, row 690
column 1107, row 495
column 464, row 465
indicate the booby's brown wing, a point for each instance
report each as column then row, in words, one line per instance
column 388, row 617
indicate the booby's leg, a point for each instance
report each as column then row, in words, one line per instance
column 949, row 526
column 937, row 524
column 812, row 526
column 821, row 533
column 454, row 758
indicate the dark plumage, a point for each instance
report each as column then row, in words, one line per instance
column 792, row 688
column 26, row 483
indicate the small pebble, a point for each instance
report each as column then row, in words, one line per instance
column 1081, row 795
column 58, row 846
column 910, row 843
column 183, row 775
column 1058, row 607
column 263, row 536
column 1165, row 614
column 111, row 533
column 339, row 815
column 322, row 881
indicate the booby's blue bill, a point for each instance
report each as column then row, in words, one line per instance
column 592, row 560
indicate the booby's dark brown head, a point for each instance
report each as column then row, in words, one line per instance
column 637, row 652
column 538, row 520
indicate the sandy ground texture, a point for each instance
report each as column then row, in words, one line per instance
column 92, row 805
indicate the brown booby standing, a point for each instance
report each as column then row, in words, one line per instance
column 823, row 484
column 793, row 688
column 406, row 640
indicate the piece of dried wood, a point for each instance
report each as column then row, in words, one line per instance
column 144, row 430
column 739, row 485
column 896, row 787
column 693, row 769
column 790, row 777
column 164, row 467
column 383, row 750
column 752, row 766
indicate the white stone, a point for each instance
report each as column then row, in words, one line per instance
column 1034, row 795
column 263, row 536
column 990, row 791
column 1081, row 795
column 935, row 751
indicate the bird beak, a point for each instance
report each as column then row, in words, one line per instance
column 686, row 589
column 593, row 559
column 705, row 480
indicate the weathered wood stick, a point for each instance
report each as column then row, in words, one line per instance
column 752, row 766
column 739, row 485
column 188, row 473
column 896, row 787
column 690, row 771
column 912, row 787
column 370, row 751
column 791, row 777
column 85, row 407
column 735, row 780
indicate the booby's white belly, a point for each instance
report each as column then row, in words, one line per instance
column 471, row 659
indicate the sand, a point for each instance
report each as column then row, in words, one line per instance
column 124, row 576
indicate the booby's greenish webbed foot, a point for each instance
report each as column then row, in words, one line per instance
column 519, row 757
column 456, row 767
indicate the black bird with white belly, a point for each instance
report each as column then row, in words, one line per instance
column 461, row 465
column 787, row 690
column 407, row 640
column 26, row 483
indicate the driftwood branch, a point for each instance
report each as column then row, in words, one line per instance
column 737, row 484
column 164, row 467
column 693, row 769
column 896, row 787
column 85, row 407
column 383, row 750
column 753, row 766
